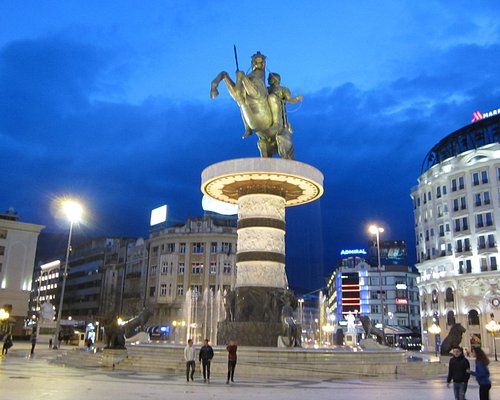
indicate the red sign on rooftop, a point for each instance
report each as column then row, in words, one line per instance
column 478, row 115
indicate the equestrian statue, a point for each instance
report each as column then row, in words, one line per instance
column 263, row 109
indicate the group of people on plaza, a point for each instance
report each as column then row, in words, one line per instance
column 459, row 372
column 205, row 356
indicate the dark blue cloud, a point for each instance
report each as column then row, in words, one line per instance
column 63, row 131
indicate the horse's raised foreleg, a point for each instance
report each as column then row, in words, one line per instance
column 229, row 83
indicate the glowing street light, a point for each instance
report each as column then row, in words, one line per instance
column 4, row 314
column 435, row 330
column 377, row 230
column 493, row 327
column 4, row 320
column 73, row 212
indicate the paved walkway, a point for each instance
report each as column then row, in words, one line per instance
column 23, row 377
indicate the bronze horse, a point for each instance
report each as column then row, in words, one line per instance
column 262, row 111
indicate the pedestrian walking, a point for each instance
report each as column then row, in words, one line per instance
column 33, row 341
column 190, row 356
column 482, row 373
column 7, row 343
column 458, row 372
column 231, row 360
column 205, row 357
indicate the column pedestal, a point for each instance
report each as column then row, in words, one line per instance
column 262, row 188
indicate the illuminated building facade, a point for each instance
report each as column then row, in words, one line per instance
column 18, row 241
column 189, row 266
column 357, row 286
column 457, row 219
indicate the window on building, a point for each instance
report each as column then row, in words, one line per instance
column 163, row 290
column 463, row 203
column 2, row 250
column 453, row 185
column 486, row 198
column 434, row 297
column 170, row 247
column 182, row 248
column 444, row 190
column 484, row 177
column 449, row 296
column 483, row 264
column 181, row 269
column 455, row 205
column 459, row 246
column 460, row 267
column 196, row 289
column 196, row 268
column 441, row 230
column 467, row 244
column 438, row 192
column 479, row 221
column 493, row 263
column 164, row 268
column 461, row 183
column 226, row 248
column 401, row 308
column 450, row 318
column 477, row 200
column 465, row 223
column 3, row 233
column 475, row 178
column 491, row 241
column 481, row 242
column 227, row 268
column 473, row 317
column 457, row 225
column 213, row 247
column 180, row 290
column 213, row 268
column 489, row 219
column 198, row 248
column 374, row 309
column 152, row 291
column 468, row 266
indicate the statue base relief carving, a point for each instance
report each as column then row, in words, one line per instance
column 249, row 333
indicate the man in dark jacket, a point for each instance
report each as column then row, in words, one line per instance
column 457, row 371
column 206, row 355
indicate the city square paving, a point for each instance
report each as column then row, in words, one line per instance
column 24, row 377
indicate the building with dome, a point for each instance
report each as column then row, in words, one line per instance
column 457, row 221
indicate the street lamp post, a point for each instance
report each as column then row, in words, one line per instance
column 435, row 330
column 377, row 230
column 493, row 327
column 73, row 212
column 4, row 321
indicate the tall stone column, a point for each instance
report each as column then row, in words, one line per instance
column 262, row 188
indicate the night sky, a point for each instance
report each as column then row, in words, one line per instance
column 109, row 102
